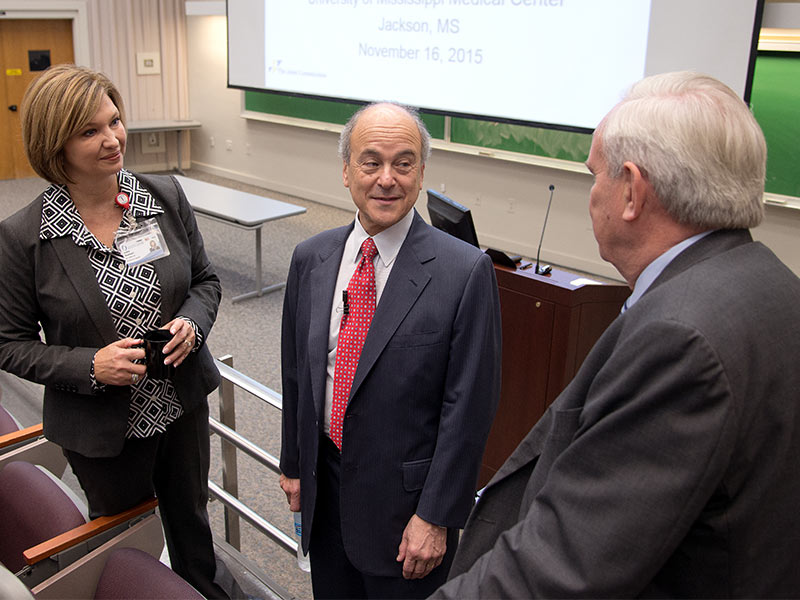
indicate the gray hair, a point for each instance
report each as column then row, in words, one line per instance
column 698, row 144
column 347, row 132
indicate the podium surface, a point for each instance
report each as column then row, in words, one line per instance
column 549, row 325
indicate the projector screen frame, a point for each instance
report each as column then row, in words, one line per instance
column 759, row 8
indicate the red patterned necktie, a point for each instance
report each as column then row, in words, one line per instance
column 358, row 310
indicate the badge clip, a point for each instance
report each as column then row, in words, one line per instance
column 122, row 200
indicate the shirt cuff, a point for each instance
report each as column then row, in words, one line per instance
column 97, row 387
column 198, row 334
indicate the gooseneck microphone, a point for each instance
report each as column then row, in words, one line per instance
column 544, row 269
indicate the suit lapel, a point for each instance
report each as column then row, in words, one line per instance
column 405, row 284
column 323, row 277
column 79, row 271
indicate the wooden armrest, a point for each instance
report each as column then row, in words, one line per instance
column 84, row 532
column 15, row 437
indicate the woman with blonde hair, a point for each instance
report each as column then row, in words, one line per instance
column 78, row 267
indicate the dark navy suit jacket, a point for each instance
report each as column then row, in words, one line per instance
column 423, row 397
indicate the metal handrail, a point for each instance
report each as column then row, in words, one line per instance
column 241, row 380
column 252, row 517
column 245, row 445
column 225, row 428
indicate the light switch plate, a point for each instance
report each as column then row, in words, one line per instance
column 148, row 63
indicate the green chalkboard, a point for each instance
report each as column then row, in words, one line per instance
column 473, row 132
column 776, row 106
column 775, row 100
column 314, row 109
column 519, row 138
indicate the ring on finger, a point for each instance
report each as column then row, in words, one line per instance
column 134, row 377
column 188, row 344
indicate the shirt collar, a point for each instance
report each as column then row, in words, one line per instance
column 655, row 268
column 60, row 218
column 388, row 241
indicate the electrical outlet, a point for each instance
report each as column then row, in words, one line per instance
column 153, row 142
column 248, row 150
column 229, row 145
column 478, row 200
column 212, row 142
column 442, row 188
column 512, row 205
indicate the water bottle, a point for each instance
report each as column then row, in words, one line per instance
column 302, row 559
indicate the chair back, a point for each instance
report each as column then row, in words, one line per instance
column 34, row 509
column 8, row 424
column 130, row 574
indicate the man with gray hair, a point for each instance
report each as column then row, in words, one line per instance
column 391, row 375
column 669, row 465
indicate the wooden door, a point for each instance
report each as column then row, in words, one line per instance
column 27, row 47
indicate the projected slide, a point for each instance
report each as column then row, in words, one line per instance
column 556, row 62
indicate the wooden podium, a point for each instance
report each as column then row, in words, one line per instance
column 549, row 326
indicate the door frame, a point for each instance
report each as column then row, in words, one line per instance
column 74, row 10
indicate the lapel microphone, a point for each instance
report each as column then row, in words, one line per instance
column 544, row 269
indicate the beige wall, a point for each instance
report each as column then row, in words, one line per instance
column 508, row 199
column 107, row 36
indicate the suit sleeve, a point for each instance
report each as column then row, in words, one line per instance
column 22, row 351
column 205, row 291
column 647, row 451
column 472, row 391
column 290, row 455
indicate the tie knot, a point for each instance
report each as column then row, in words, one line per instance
column 368, row 249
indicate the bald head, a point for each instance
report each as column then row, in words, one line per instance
column 383, row 150
column 385, row 112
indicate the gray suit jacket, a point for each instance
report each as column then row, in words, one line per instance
column 51, row 283
column 669, row 465
column 423, row 397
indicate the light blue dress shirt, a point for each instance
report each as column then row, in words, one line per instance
column 655, row 268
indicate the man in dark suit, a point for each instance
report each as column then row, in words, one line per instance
column 669, row 465
column 385, row 470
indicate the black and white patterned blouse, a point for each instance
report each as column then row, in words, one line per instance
column 133, row 294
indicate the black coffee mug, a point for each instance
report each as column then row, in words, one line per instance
column 154, row 342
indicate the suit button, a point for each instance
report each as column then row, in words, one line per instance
column 314, row 473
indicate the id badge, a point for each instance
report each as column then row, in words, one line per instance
column 141, row 243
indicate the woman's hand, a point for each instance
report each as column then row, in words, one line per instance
column 113, row 365
column 182, row 342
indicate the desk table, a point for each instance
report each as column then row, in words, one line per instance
column 178, row 125
column 242, row 210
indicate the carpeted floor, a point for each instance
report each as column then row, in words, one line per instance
column 247, row 330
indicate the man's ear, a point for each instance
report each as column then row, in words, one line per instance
column 345, row 178
column 637, row 191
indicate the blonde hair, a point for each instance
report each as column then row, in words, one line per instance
column 56, row 105
column 699, row 144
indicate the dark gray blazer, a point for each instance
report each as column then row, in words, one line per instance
column 51, row 282
column 423, row 397
column 670, row 465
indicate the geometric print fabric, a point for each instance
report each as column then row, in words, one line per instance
column 359, row 310
column 133, row 294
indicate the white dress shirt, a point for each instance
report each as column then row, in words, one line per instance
column 388, row 243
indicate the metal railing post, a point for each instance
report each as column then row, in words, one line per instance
column 230, row 471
